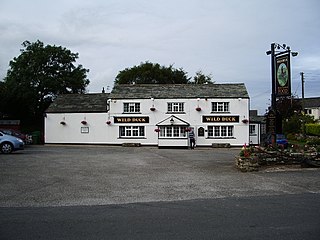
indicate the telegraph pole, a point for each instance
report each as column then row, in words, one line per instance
column 302, row 100
column 302, row 84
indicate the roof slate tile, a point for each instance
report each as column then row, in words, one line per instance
column 96, row 102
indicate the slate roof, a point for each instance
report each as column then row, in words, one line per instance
column 171, row 91
column 96, row 102
column 76, row 103
column 255, row 118
column 311, row 102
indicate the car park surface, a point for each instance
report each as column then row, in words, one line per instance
column 60, row 175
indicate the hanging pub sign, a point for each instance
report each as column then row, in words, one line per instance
column 131, row 119
column 283, row 78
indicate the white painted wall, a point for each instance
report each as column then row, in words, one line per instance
column 255, row 137
column 102, row 133
column 315, row 112
column 71, row 131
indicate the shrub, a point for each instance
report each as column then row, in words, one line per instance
column 313, row 129
column 291, row 136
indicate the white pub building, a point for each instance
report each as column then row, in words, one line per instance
column 160, row 115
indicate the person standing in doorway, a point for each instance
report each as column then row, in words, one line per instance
column 192, row 139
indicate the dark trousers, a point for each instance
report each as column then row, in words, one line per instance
column 192, row 143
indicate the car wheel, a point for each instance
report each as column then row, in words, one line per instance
column 6, row 147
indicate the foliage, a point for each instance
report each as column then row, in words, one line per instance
column 313, row 142
column 151, row 73
column 291, row 136
column 154, row 73
column 36, row 76
column 200, row 78
column 288, row 107
column 313, row 129
column 294, row 124
column 246, row 151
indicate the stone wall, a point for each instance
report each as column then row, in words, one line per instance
column 249, row 164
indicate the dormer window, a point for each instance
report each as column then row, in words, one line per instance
column 131, row 107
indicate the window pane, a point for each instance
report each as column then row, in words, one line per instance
column 169, row 131
column 217, row 131
column 162, row 132
column 126, row 107
column 223, row 131
column 214, row 107
column 252, row 129
column 210, row 131
column 175, row 107
column 131, row 107
column 122, row 132
column 135, row 131
column 141, row 131
column 182, row 131
column 128, row 131
column 226, row 107
column 230, row 131
column 137, row 107
column 176, row 131
column 220, row 107
column 181, row 107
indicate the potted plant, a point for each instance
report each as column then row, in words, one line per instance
column 63, row 123
column 198, row 109
column 108, row 122
column 245, row 120
column 152, row 108
column 84, row 122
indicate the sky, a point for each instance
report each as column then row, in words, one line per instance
column 227, row 38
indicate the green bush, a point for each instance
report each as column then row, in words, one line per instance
column 291, row 136
column 314, row 142
column 313, row 129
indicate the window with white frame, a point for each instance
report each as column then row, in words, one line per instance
column 131, row 131
column 131, row 107
column 173, row 132
column 175, row 107
column 308, row 111
column 220, row 107
column 220, row 131
column 252, row 129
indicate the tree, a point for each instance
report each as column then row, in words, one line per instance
column 37, row 75
column 293, row 119
column 152, row 73
column 288, row 107
column 200, row 78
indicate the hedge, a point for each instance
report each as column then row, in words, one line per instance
column 313, row 129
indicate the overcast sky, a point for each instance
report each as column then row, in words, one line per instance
column 226, row 38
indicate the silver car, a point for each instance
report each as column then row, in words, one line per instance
column 8, row 143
